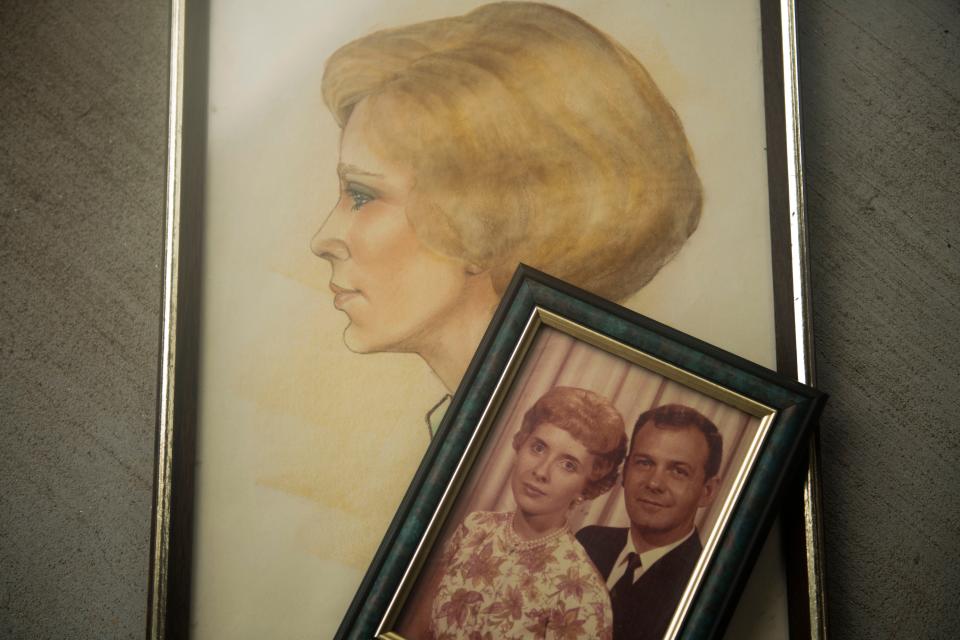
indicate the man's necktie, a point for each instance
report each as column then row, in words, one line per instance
column 626, row 580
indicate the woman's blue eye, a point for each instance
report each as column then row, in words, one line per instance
column 359, row 199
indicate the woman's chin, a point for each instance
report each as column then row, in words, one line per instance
column 356, row 340
column 361, row 340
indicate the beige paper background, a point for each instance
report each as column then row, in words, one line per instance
column 305, row 449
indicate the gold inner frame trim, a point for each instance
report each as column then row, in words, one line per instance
column 540, row 317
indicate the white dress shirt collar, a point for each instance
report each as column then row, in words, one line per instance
column 647, row 558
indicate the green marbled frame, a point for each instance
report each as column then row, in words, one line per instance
column 792, row 410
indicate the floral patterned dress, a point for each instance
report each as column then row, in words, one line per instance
column 496, row 585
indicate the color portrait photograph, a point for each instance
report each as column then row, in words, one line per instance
column 589, row 510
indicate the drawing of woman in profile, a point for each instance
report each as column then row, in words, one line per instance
column 516, row 132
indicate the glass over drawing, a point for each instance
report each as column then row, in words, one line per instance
column 376, row 172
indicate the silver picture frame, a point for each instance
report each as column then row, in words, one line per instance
column 173, row 526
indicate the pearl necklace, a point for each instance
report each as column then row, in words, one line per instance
column 515, row 543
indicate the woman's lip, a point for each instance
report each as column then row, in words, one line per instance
column 338, row 289
column 342, row 295
column 532, row 490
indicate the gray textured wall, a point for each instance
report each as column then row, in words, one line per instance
column 881, row 99
column 82, row 124
column 82, row 131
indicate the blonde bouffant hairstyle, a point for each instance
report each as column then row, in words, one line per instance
column 532, row 137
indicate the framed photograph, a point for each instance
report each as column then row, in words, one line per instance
column 351, row 186
column 597, row 475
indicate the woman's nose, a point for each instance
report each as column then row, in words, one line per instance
column 327, row 242
column 542, row 470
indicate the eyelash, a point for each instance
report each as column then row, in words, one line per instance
column 359, row 199
column 566, row 465
column 677, row 471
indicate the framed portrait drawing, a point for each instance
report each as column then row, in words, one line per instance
column 351, row 186
column 597, row 475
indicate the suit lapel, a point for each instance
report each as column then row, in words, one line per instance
column 618, row 539
column 668, row 576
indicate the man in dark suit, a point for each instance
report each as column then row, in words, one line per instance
column 671, row 471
